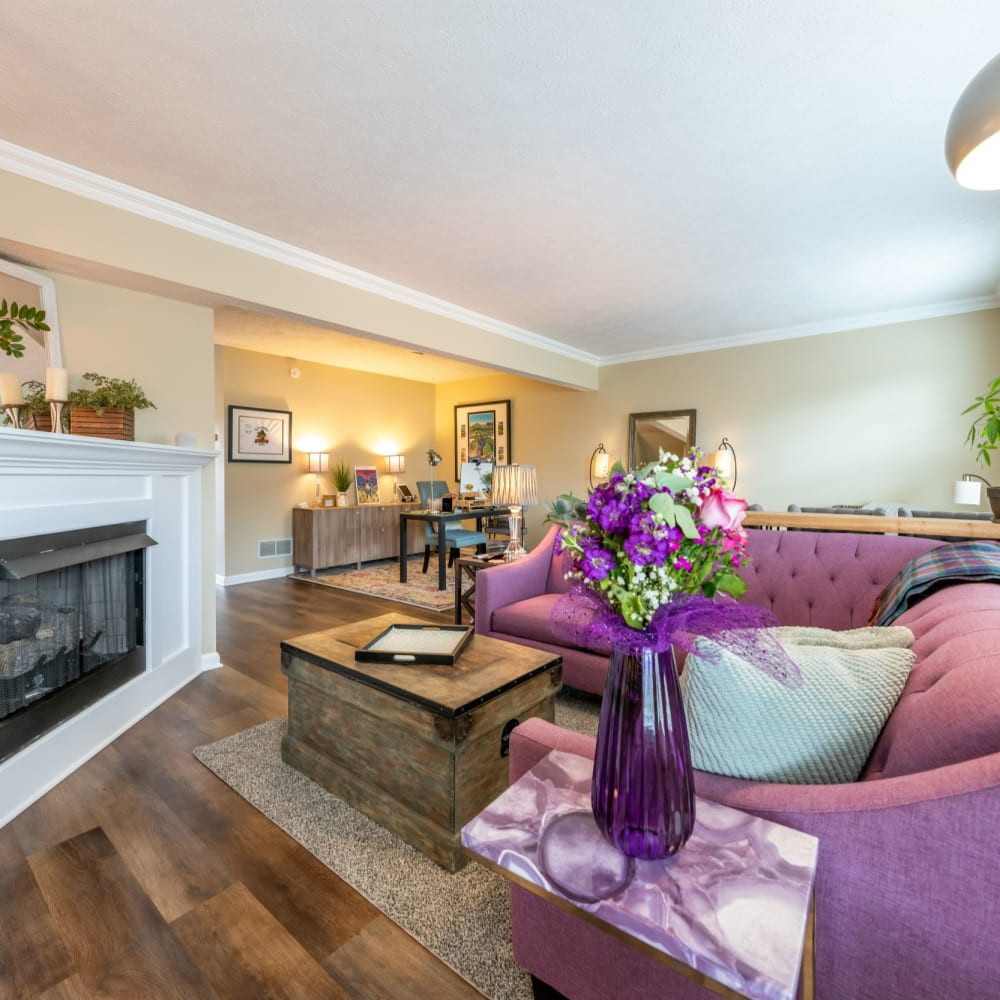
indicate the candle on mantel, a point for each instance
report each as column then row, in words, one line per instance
column 57, row 384
column 10, row 390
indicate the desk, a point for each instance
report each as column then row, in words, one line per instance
column 540, row 834
column 439, row 521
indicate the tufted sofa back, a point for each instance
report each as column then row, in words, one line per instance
column 825, row 579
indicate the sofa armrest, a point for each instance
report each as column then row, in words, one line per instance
column 534, row 738
column 507, row 583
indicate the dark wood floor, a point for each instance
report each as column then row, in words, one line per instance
column 143, row 875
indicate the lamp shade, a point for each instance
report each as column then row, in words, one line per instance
column 514, row 486
column 967, row 491
column 318, row 461
column 724, row 463
column 972, row 140
column 395, row 464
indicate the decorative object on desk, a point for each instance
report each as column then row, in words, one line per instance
column 343, row 478
column 258, row 435
column 724, row 460
column 654, row 548
column 318, row 463
column 515, row 487
column 433, row 460
column 366, row 483
column 394, row 465
column 482, row 433
column 972, row 139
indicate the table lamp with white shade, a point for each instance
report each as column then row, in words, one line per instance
column 516, row 487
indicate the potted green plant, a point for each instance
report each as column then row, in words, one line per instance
column 984, row 435
column 342, row 476
column 24, row 316
column 108, row 409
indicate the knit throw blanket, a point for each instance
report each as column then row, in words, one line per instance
column 955, row 562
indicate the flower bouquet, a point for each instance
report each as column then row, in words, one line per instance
column 656, row 552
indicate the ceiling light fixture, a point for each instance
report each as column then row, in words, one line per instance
column 972, row 140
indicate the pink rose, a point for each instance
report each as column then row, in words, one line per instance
column 722, row 509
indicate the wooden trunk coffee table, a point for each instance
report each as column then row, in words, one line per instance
column 419, row 748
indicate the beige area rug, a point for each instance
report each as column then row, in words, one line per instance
column 464, row 919
column 381, row 579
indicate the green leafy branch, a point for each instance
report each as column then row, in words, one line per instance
column 985, row 430
column 24, row 316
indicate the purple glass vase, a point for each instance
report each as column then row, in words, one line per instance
column 643, row 788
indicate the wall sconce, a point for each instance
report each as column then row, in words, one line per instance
column 966, row 491
column 394, row 465
column 600, row 465
column 317, row 462
column 514, row 486
column 972, row 140
column 725, row 462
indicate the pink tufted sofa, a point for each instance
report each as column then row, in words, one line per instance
column 906, row 898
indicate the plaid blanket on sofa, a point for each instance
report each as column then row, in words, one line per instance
column 955, row 562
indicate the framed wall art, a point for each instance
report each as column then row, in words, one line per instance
column 366, row 480
column 257, row 435
column 482, row 433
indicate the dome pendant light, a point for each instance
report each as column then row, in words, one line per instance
column 972, row 141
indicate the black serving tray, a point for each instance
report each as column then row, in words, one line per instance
column 404, row 644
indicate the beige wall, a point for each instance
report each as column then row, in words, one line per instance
column 851, row 417
column 166, row 346
column 357, row 417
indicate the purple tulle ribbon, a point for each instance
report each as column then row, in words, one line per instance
column 584, row 618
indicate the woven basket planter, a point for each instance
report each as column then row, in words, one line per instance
column 117, row 424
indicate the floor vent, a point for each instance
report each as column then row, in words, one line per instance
column 274, row 547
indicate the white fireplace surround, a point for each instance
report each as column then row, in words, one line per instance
column 58, row 482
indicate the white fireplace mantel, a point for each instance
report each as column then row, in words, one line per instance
column 60, row 482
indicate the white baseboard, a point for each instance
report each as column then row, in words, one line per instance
column 263, row 574
column 210, row 661
column 41, row 765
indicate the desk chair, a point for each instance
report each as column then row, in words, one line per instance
column 456, row 537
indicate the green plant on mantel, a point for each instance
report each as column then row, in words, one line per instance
column 110, row 394
column 34, row 399
column 342, row 477
column 24, row 316
column 984, row 434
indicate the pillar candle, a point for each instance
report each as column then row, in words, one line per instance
column 57, row 384
column 10, row 390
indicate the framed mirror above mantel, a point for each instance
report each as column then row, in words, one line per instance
column 43, row 350
column 671, row 430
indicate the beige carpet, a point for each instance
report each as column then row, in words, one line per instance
column 381, row 579
column 464, row 919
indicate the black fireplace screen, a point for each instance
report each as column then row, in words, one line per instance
column 58, row 626
column 71, row 626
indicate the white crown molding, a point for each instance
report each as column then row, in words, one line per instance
column 66, row 177
column 811, row 329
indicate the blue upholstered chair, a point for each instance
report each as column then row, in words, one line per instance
column 456, row 537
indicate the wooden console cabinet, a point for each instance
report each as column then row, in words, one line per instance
column 339, row 536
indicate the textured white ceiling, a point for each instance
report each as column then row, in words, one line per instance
column 629, row 181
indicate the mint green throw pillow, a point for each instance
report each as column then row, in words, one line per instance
column 743, row 724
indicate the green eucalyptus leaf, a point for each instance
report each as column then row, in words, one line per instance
column 685, row 521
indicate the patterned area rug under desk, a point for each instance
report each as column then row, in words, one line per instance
column 419, row 748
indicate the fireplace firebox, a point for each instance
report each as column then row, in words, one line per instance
column 71, row 624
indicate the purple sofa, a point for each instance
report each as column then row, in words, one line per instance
column 906, row 899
